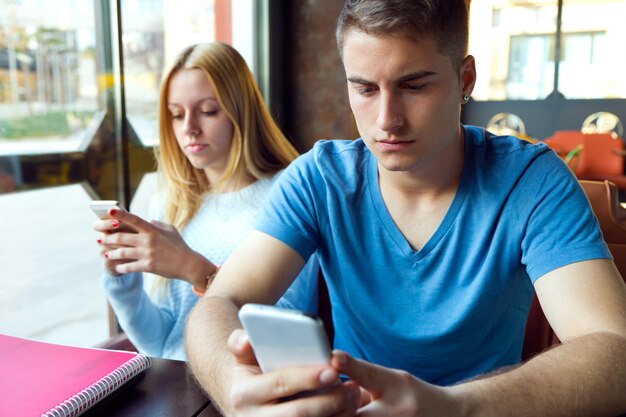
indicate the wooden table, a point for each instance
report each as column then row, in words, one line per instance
column 165, row 389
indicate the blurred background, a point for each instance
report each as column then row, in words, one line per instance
column 79, row 83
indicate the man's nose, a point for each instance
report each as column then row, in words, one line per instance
column 389, row 113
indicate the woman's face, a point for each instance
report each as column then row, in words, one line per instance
column 202, row 129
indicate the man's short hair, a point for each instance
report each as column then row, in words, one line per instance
column 444, row 21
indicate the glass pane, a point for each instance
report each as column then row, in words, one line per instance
column 48, row 89
column 153, row 32
column 50, row 288
column 593, row 59
column 513, row 42
column 531, row 67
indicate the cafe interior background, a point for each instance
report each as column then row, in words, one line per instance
column 79, row 83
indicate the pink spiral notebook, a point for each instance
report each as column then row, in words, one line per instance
column 45, row 379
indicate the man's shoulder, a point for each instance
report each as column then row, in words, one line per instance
column 345, row 147
column 488, row 142
column 335, row 155
column 329, row 162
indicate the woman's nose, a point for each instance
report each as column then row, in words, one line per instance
column 190, row 126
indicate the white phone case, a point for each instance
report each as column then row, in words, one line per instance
column 282, row 337
column 102, row 207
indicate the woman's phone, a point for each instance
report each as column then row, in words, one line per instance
column 282, row 337
column 102, row 207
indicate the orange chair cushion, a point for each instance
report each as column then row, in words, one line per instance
column 601, row 155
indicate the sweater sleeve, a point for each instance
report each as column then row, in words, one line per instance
column 146, row 323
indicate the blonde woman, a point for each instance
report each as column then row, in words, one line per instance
column 219, row 154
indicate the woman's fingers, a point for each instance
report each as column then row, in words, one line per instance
column 119, row 240
column 134, row 222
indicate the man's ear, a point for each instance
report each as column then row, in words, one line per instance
column 468, row 75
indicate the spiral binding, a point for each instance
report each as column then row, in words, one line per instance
column 84, row 400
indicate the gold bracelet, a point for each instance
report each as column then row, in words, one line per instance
column 209, row 279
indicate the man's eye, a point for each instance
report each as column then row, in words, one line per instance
column 365, row 90
column 414, row 87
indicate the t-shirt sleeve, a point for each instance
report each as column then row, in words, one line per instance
column 289, row 214
column 562, row 228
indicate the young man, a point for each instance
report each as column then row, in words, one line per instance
column 431, row 236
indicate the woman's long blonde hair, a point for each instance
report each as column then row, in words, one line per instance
column 259, row 149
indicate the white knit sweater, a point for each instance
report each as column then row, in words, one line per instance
column 155, row 322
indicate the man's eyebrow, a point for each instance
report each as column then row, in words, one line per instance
column 415, row 76
column 358, row 80
column 405, row 78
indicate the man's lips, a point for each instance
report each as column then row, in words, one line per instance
column 392, row 141
column 393, row 144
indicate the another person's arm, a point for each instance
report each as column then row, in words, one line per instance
column 131, row 246
column 146, row 324
column 259, row 270
column 153, row 247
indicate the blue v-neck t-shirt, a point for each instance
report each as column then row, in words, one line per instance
column 457, row 307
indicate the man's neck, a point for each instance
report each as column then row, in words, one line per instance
column 418, row 200
column 438, row 176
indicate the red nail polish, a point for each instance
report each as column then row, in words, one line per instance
column 106, row 255
column 99, row 241
column 115, row 223
column 112, row 212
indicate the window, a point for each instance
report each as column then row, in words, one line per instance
column 153, row 32
column 64, row 140
column 515, row 44
column 48, row 87
column 531, row 67
column 585, row 53
column 52, row 105
column 592, row 62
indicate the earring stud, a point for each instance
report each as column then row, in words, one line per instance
column 466, row 97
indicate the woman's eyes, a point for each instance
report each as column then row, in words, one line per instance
column 208, row 113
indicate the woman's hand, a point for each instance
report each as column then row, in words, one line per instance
column 107, row 227
column 275, row 393
column 131, row 244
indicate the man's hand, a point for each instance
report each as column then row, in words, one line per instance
column 131, row 244
column 389, row 392
column 276, row 393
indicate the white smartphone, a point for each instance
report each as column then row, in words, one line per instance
column 102, row 207
column 282, row 337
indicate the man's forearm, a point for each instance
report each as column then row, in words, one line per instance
column 583, row 377
column 209, row 325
